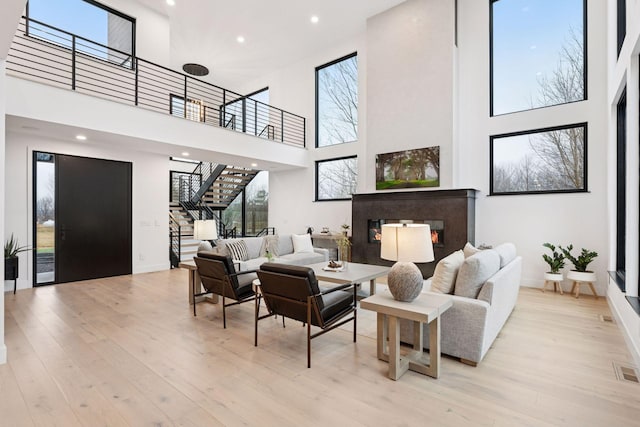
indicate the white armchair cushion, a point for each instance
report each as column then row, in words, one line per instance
column 474, row 271
column 444, row 276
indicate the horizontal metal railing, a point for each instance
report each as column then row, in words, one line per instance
column 58, row 58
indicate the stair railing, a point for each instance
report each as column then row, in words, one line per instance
column 175, row 241
column 266, row 231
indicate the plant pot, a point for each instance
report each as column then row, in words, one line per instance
column 11, row 268
column 581, row 276
column 553, row 277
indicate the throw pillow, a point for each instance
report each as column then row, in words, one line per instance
column 301, row 243
column 221, row 248
column 507, row 252
column 238, row 250
column 474, row 271
column 444, row 276
column 270, row 243
column 469, row 250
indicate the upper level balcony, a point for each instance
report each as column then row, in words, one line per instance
column 48, row 55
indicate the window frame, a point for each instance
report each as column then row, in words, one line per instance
column 317, row 175
column 585, row 157
column 106, row 9
column 317, row 88
column 621, row 24
column 584, row 56
column 621, row 185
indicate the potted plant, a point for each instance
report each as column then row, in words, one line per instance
column 11, row 250
column 343, row 243
column 555, row 261
column 345, row 228
column 580, row 264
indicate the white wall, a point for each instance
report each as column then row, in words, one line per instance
column 625, row 71
column 3, row 348
column 150, row 198
column 531, row 220
column 409, row 75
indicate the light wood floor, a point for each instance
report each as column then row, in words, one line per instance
column 128, row 351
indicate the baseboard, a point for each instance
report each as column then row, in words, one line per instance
column 3, row 354
column 22, row 284
column 152, row 268
column 623, row 322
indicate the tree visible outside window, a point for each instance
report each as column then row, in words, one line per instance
column 337, row 102
column 537, row 54
column 336, row 179
column 547, row 160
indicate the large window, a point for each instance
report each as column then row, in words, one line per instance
column 337, row 102
column 621, row 183
column 537, row 54
column 336, row 179
column 108, row 28
column 551, row 160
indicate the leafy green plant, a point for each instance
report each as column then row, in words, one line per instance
column 580, row 262
column 556, row 260
column 12, row 248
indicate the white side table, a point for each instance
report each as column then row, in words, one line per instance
column 426, row 308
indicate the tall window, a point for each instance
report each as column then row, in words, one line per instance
column 621, row 183
column 537, row 54
column 336, row 179
column 337, row 101
column 622, row 22
column 108, row 28
column 249, row 212
column 44, row 214
column 551, row 160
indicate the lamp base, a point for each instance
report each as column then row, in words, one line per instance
column 405, row 281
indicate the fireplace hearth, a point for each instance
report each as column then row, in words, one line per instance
column 449, row 213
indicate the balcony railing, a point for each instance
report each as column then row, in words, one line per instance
column 46, row 54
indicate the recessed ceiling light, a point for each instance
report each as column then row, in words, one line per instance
column 171, row 2
column 240, row 39
column 81, row 137
column 253, row 165
column 314, row 19
column 185, row 154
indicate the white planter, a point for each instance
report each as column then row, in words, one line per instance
column 553, row 277
column 581, row 276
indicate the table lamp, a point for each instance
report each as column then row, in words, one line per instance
column 206, row 231
column 406, row 244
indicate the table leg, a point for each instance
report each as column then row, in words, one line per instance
column 382, row 332
column 434, row 347
column 195, row 287
column 394, row 348
column 372, row 287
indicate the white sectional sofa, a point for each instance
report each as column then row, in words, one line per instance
column 470, row 326
column 283, row 249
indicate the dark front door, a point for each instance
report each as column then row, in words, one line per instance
column 93, row 218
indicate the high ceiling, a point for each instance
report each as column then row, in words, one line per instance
column 276, row 32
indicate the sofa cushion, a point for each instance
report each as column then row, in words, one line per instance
column 469, row 250
column 444, row 276
column 270, row 243
column 285, row 244
column 507, row 253
column 302, row 258
column 302, row 243
column 238, row 250
column 474, row 271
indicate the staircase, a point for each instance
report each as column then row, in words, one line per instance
column 217, row 188
column 183, row 245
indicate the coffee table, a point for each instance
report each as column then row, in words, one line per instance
column 353, row 273
column 427, row 308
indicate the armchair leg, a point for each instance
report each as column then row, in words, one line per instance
column 224, row 313
column 309, row 345
column 355, row 320
column 193, row 301
column 255, row 325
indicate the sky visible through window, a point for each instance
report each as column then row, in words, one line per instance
column 529, row 37
column 75, row 16
column 337, row 102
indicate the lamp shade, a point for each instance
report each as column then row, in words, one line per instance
column 205, row 230
column 406, row 242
